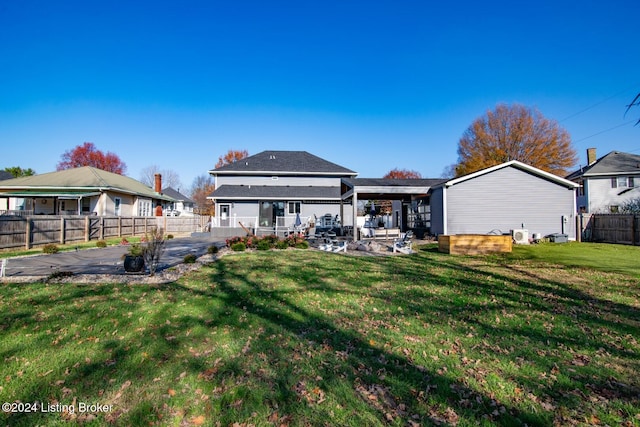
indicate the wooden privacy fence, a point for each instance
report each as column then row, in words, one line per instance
column 29, row 231
column 610, row 228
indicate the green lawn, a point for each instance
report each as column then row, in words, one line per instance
column 301, row 337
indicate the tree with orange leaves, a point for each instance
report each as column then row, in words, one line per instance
column 402, row 174
column 231, row 156
column 88, row 155
column 202, row 188
column 515, row 132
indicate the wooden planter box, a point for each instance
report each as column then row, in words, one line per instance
column 474, row 244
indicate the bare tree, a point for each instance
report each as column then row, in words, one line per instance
column 634, row 103
column 170, row 178
column 153, row 249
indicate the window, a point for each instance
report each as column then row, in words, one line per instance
column 622, row 182
column 614, row 208
column 144, row 208
column 581, row 189
column 294, row 207
column 117, row 201
column 86, row 205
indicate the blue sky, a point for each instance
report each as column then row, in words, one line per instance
column 369, row 85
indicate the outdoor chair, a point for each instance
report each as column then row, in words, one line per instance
column 405, row 244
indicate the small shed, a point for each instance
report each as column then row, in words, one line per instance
column 509, row 196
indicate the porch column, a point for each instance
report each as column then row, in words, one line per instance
column 355, row 214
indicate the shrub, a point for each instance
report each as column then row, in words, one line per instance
column 169, row 236
column 238, row 247
column 101, row 244
column 190, row 259
column 136, row 249
column 233, row 240
column 154, row 249
column 282, row 244
column 213, row 249
column 50, row 249
column 272, row 239
column 302, row 245
column 263, row 245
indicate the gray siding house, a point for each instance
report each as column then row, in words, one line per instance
column 270, row 189
column 607, row 183
column 502, row 198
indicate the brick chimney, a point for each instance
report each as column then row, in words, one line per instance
column 591, row 156
column 158, row 187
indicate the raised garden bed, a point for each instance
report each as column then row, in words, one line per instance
column 474, row 244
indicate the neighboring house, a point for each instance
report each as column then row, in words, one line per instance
column 607, row 183
column 506, row 197
column 182, row 205
column 5, row 175
column 80, row 191
column 271, row 188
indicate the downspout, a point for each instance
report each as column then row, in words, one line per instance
column 444, row 210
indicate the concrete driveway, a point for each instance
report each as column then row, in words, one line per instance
column 104, row 260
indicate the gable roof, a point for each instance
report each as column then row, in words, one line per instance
column 283, row 163
column 85, row 178
column 614, row 163
column 169, row 191
column 515, row 164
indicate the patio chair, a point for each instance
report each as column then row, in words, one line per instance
column 405, row 244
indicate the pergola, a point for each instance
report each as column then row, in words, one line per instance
column 405, row 190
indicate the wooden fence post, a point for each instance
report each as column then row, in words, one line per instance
column 101, row 228
column 27, row 237
column 87, row 229
column 62, row 225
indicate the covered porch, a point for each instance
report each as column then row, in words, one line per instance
column 410, row 202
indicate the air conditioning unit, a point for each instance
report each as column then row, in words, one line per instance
column 520, row 236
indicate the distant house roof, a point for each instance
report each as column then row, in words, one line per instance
column 614, row 163
column 275, row 192
column 5, row 175
column 283, row 163
column 83, row 179
column 515, row 164
column 176, row 195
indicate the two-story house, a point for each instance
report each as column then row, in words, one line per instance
column 607, row 183
column 273, row 188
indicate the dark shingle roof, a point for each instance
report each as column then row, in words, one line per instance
column 283, row 162
column 614, row 163
column 176, row 195
column 5, row 175
column 382, row 182
column 282, row 192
